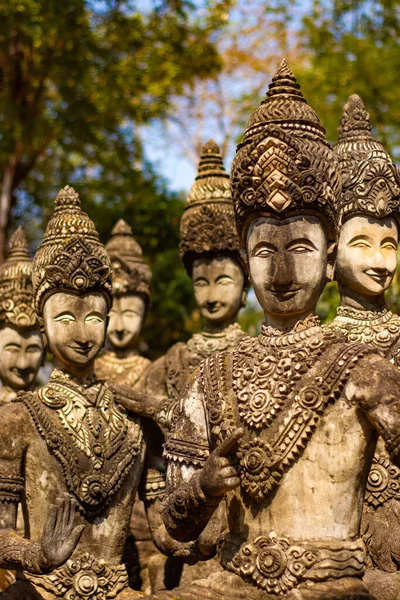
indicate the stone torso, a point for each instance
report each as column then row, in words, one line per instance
column 167, row 377
column 303, row 458
column 77, row 440
column 126, row 370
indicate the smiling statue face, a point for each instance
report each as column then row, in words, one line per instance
column 288, row 265
column 75, row 327
column 20, row 357
column 367, row 255
column 126, row 321
column 218, row 288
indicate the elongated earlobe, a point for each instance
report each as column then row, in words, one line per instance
column 331, row 261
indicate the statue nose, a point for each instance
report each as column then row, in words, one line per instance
column 283, row 274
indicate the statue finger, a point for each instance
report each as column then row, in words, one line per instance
column 49, row 525
column 231, row 483
column 230, row 443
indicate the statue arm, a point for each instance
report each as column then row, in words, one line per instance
column 374, row 385
column 186, row 509
column 15, row 552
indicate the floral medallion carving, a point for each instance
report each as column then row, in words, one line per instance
column 84, row 578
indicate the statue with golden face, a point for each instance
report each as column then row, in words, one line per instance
column 281, row 431
column 365, row 267
column 69, row 451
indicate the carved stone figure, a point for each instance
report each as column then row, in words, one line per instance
column 21, row 347
column 123, row 364
column 131, row 290
column 282, row 429
column 210, row 251
column 69, row 450
column 366, row 264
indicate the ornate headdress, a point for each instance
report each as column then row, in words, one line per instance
column 17, row 301
column 370, row 180
column 284, row 165
column 71, row 256
column 131, row 274
column 208, row 223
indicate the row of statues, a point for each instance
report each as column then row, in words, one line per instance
column 234, row 467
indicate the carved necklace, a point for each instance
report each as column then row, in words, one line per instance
column 93, row 438
column 381, row 329
column 125, row 370
column 204, row 344
column 266, row 369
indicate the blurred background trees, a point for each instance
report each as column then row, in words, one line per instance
column 112, row 96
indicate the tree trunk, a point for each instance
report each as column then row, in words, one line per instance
column 6, row 189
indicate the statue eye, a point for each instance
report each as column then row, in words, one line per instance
column 389, row 246
column 94, row 319
column 65, row 318
column 263, row 251
column 360, row 244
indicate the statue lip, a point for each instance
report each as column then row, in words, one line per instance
column 84, row 349
column 380, row 277
column 285, row 294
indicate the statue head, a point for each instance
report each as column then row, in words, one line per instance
column 72, row 283
column 21, row 347
column 369, row 208
column 209, row 244
column 285, row 189
column 131, row 287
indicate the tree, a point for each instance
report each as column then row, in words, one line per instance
column 77, row 78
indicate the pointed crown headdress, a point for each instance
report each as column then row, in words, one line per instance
column 208, row 223
column 71, row 257
column 284, row 166
column 370, row 180
column 131, row 274
column 17, row 301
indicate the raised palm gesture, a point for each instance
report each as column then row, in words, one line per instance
column 60, row 537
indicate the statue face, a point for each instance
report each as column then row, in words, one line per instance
column 20, row 357
column 75, row 327
column 218, row 287
column 126, row 321
column 367, row 254
column 288, row 264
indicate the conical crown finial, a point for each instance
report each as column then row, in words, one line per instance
column 211, row 163
column 355, row 119
column 67, row 198
column 18, row 246
column 284, row 82
column 121, row 227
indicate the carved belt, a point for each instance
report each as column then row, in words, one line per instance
column 278, row 565
column 83, row 578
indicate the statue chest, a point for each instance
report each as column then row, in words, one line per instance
column 92, row 439
column 280, row 397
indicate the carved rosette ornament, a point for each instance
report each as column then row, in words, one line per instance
column 16, row 291
column 71, row 256
column 131, row 274
column 370, row 180
column 208, row 223
column 284, row 165
column 83, row 578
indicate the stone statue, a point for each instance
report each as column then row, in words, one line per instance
column 21, row 348
column 365, row 267
column 69, row 451
column 131, row 291
column 123, row 364
column 210, row 251
column 281, row 431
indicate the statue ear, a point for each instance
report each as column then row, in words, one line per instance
column 244, row 297
column 107, row 322
column 331, row 260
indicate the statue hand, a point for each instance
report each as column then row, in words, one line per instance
column 218, row 475
column 59, row 537
column 133, row 401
